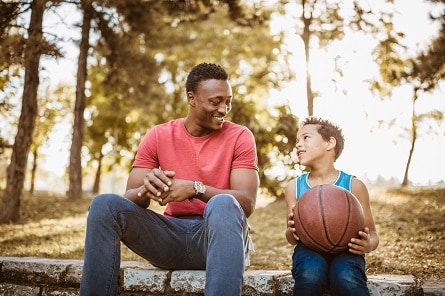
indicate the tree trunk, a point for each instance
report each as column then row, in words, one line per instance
column 405, row 181
column 306, row 38
column 75, row 169
column 33, row 170
column 15, row 179
column 96, row 185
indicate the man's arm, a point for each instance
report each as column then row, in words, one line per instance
column 135, row 184
column 146, row 184
column 244, row 185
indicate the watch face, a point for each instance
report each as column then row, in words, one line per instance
column 199, row 188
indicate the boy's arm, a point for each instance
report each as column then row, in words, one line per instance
column 289, row 195
column 369, row 239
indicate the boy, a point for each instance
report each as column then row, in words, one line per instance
column 319, row 144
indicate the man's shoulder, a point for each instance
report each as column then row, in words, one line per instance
column 235, row 127
column 174, row 123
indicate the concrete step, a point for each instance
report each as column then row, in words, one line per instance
column 42, row 276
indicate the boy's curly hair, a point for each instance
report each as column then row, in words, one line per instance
column 202, row 72
column 328, row 129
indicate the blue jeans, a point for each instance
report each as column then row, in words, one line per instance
column 214, row 242
column 314, row 273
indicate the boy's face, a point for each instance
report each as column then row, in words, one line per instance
column 310, row 145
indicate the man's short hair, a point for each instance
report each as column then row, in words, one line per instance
column 202, row 72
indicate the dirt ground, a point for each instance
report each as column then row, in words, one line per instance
column 410, row 223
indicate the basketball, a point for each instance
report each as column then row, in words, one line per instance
column 327, row 217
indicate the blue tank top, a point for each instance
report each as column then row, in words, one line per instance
column 302, row 185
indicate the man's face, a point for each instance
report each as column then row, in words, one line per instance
column 210, row 103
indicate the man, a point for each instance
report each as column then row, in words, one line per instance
column 204, row 169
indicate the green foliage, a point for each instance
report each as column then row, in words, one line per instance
column 422, row 73
column 326, row 23
column 138, row 76
column 143, row 50
column 54, row 107
column 429, row 66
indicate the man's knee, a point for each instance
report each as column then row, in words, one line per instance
column 223, row 203
column 223, row 209
column 223, row 200
column 101, row 204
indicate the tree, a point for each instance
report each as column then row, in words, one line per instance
column 17, row 167
column 250, row 56
column 254, row 69
column 429, row 65
column 132, row 52
column 11, row 62
column 425, row 72
column 422, row 73
column 116, row 21
column 75, row 167
column 319, row 24
column 55, row 107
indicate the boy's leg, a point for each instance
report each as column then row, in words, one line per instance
column 309, row 270
column 347, row 275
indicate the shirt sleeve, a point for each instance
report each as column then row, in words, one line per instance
column 245, row 155
column 146, row 155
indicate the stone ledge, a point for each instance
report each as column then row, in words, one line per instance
column 40, row 276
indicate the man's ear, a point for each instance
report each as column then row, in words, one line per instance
column 191, row 98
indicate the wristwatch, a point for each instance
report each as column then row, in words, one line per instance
column 200, row 189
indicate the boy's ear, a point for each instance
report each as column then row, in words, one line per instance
column 332, row 143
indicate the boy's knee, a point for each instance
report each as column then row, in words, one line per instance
column 348, row 280
column 316, row 278
column 312, row 280
column 313, row 276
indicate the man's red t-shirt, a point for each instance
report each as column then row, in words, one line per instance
column 208, row 159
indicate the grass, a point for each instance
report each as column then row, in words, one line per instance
column 410, row 223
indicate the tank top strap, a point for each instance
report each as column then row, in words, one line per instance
column 301, row 185
column 344, row 180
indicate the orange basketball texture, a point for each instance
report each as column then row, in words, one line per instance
column 327, row 217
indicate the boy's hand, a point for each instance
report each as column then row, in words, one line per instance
column 361, row 245
column 291, row 225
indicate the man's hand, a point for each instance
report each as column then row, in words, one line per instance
column 156, row 182
column 179, row 190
